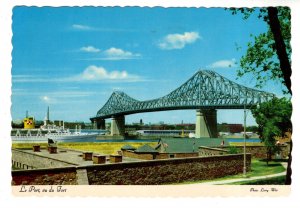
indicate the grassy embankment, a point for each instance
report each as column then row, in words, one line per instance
column 102, row 148
column 280, row 180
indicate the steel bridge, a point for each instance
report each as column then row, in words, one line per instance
column 205, row 90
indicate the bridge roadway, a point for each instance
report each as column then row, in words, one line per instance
column 205, row 92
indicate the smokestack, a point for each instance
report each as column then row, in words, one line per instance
column 48, row 118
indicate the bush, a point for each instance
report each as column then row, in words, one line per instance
column 232, row 150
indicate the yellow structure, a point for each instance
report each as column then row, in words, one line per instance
column 29, row 123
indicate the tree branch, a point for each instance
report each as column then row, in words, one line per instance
column 280, row 47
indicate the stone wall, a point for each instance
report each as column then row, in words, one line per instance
column 167, row 171
column 208, row 151
column 26, row 160
column 159, row 156
column 261, row 151
column 186, row 155
column 59, row 176
column 141, row 156
column 173, row 170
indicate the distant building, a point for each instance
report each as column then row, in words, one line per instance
column 186, row 126
column 231, row 128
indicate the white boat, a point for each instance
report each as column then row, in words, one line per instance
column 56, row 133
column 57, row 136
column 50, row 131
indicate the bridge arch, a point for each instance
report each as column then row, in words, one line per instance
column 206, row 91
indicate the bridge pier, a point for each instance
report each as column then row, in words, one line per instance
column 206, row 123
column 118, row 125
column 99, row 124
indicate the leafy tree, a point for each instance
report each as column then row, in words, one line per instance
column 232, row 150
column 269, row 56
column 273, row 119
column 253, row 129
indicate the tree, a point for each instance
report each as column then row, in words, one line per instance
column 269, row 56
column 273, row 119
column 253, row 129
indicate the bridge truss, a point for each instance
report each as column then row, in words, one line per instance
column 204, row 90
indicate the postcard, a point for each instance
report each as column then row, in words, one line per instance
column 163, row 101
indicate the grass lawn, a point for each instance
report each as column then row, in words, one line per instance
column 102, row 148
column 28, row 145
column 258, row 168
column 280, row 180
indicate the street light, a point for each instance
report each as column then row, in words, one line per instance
column 245, row 167
column 245, row 164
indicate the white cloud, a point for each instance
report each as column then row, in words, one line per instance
column 81, row 27
column 223, row 64
column 47, row 99
column 118, row 54
column 92, row 73
column 178, row 41
column 90, row 49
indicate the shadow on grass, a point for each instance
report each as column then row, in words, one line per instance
column 275, row 160
column 270, row 181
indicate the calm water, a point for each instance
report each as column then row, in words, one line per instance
column 251, row 140
column 98, row 131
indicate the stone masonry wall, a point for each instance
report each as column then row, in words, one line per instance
column 186, row 155
column 131, row 154
column 261, row 151
column 141, row 173
column 62, row 176
column 158, row 156
column 207, row 151
column 167, row 171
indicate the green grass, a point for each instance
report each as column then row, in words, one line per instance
column 280, row 180
column 27, row 145
column 103, row 148
column 258, row 168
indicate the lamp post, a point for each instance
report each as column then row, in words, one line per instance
column 245, row 116
column 245, row 167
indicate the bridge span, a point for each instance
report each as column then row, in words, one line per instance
column 205, row 92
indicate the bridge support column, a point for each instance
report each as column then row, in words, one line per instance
column 206, row 123
column 118, row 125
column 99, row 124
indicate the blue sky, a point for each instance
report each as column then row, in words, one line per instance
column 72, row 58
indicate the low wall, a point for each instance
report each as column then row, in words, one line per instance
column 136, row 173
column 186, row 155
column 158, row 156
column 26, row 160
column 208, row 151
column 58, row 176
column 261, row 151
column 167, row 171
column 141, row 156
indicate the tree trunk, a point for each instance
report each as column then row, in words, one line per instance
column 284, row 65
column 280, row 47
column 288, row 178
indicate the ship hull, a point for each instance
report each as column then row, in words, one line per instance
column 58, row 138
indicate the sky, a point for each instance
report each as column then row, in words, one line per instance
column 72, row 59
